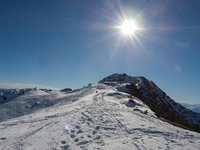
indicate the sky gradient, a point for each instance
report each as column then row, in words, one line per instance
column 70, row 43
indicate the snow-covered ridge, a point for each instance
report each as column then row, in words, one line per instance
column 100, row 117
column 155, row 98
column 18, row 102
column 118, row 78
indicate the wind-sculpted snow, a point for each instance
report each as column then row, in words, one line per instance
column 99, row 117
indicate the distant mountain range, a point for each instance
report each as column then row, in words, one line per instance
column 193, row 107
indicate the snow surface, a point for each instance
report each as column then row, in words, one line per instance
column 98, row 117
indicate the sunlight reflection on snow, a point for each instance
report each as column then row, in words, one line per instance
column 66, row 128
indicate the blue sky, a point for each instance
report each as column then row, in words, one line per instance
column 70, row 43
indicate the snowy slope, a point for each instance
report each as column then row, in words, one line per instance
column 99, row 118
column 193, row 107
column 18, row 102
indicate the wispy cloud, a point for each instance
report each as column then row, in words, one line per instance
column 182, row 45
column 22, row 85
column 178, row 68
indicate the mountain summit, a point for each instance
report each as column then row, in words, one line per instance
column 157, row 100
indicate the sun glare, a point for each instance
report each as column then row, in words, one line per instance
column 129, row 27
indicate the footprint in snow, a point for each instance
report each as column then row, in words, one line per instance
column 97, row 138
column 97, row 148
column 72, row 135
column 77, row 127
column 63, row 142
column 79, row 131
column 97, row 127
column 94, row 132
column 76, row 140
column 89, row 136
column 64, row 145
column 3, row 138
column 82, row 142
column 72, row 131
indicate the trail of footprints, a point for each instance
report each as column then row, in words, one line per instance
column 81, row 138
column 92, row 124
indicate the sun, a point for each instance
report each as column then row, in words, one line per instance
column 129, row 27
